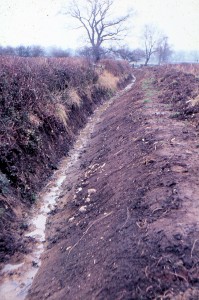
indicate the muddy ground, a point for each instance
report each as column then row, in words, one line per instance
column 127, row 226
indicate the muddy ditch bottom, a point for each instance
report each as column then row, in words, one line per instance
column 16, row 279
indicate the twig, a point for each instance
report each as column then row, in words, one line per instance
column 103, row 217
column 149, row 288
column 118, row 152
column 165, row 295
column 159, row 261
column 178, row 275
column 192, row 249
column 145, row 271
column 127, row 218
column 156, row 209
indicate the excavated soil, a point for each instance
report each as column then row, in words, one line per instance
column 127, row 226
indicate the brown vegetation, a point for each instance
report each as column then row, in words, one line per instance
column 185, row 68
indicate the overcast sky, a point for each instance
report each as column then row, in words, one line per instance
column 30, row 22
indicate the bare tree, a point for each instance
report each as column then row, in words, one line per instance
column 124, row 53
column 87, row 52
column 128, row 54
column 138, row 54
column 163, row 50
column 7, row 51
column 95, row 19
column 37, row 51
column 151, row 40
column 23, row 51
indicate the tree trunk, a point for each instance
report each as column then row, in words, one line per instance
column 146, row 61
column 96, row 53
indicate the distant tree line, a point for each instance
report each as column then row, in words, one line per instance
column 159, row 50
column 123, row 52
column 33, row 51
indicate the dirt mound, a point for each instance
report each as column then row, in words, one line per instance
column 178, row 89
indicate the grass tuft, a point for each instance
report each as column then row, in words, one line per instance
column 74, row 98
column 108, row 80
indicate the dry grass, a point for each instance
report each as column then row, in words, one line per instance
column 34, row 120
column 88, row 92
column 186, row 68
column 73, row 98
column 108, row 80
column 118, row 68
column 61, row 113
column 195, row 101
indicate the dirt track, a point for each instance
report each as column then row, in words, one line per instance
column 128, row 222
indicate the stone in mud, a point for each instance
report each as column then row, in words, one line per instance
column 91, row 191
column 83, row 208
